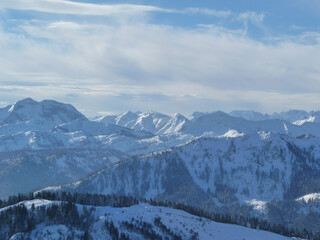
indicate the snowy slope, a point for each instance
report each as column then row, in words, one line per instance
column 47, row 143
column 222, row 170
column 250, row 115
column 25, row 171
column 174, row 125
column 149, row 121
column 218, row 123
column 195, row 115
column 293, row 116
column 309, row 203
column 176, row 221
column 315, row 197
column 27, row 114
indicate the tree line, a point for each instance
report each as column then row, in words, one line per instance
column 16, row 218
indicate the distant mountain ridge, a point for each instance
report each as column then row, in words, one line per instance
column 155, row 122
column 289, row 116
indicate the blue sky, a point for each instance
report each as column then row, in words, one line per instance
column 167, row 56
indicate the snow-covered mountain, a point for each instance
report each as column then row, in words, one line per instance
column 48, row 143
column 221, row 170
column 210, row 160
column 218, row 123
column 195, row 115
column 28, row 115
column 250, row 115
column 293, row 116
column 174, row 125
column 149, row 121
column 25, row 171
column 136, row 222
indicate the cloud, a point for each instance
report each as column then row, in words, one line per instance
column 119, row 66
column 77, row 8
column 251, row 16
column 209, row 12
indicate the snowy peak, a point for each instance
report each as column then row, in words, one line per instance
column 148, row 121
column 99, row 129
column 175, row 124
column 126, row 118
column 219, row 123
column 46, row 112
column 232, row 134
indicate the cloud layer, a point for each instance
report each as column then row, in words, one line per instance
column 115, row 66
column 76, row 8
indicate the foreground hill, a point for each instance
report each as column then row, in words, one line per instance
column 53, row 220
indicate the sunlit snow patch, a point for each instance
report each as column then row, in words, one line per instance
column 257, row 205
column 310, row 197
column 232, row 134
column 301, row 122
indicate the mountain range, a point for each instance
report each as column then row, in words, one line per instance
column 243, row 162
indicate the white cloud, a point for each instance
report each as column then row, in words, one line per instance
column 129, row 65
column 251, row 16
column 69, row 7
column 210, row 12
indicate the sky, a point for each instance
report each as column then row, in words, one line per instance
column 107, row 57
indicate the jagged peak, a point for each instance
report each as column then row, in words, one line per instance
column 178, row 115
column 153, row 114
